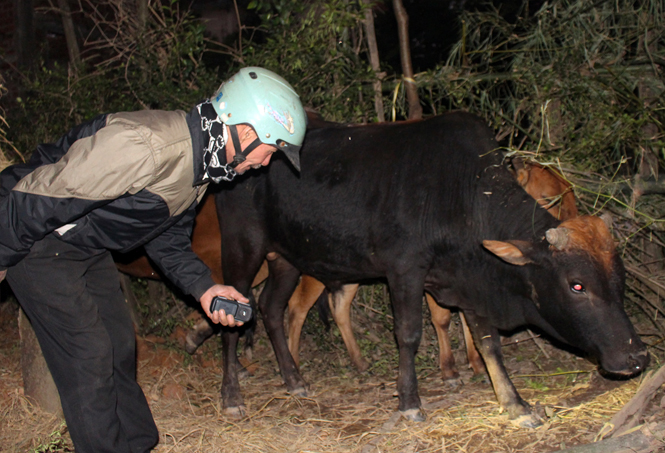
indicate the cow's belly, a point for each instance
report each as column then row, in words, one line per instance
column 338, row 264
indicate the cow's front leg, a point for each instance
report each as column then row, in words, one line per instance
column 282, row 280
column 407, row 300
column 238, row 267
column 232, row 400
column 488, row 342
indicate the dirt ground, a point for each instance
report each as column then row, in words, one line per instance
column 345, row 411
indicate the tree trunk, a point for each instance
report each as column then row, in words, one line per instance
column 374, row 60
column 415, row 109
column 70, row 33
column 25, row 33
column 142, row 14
column 38, row 384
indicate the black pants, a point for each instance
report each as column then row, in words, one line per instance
column 73, row 299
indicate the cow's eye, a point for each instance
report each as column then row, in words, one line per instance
column 577, row 288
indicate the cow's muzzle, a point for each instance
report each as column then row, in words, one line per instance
column 635, row 363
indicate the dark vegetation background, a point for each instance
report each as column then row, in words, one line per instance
column 575, row 84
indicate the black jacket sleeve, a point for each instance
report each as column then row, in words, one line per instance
column 172, row 252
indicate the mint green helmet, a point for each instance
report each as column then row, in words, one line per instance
column 267, row 102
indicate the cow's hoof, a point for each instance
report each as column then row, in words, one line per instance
column 299, row 392
column 236, row 413
column 480, row 378
column 414, row 415
column 361, row 365
column 527, row 421
column 243, row 373
column 190, row 345
column 249, row 354
column 453, row 383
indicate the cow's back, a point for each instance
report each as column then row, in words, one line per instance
column 368, row 195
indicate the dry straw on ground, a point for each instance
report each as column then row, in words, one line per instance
column 345, row 411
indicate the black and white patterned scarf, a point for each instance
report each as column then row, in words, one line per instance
column 215, row 134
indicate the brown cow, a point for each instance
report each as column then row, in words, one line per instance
column 310, row 289
column 547, row 186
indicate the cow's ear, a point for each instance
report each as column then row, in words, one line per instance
column 511, row 252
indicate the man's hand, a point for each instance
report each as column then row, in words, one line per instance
column 3, row 274
column 219, row 316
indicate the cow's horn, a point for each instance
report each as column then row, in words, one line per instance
column 558, row 237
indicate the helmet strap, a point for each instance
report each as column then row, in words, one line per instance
column 241, row 154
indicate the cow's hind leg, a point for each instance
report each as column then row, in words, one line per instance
column 488, row 341
column 441, row 321
column 282, row 280
column 201, row 331
column 340, row 305
column 302, row 300
column 475, row 361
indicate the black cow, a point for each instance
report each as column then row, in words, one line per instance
column 428, row 206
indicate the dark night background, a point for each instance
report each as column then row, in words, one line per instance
column 433, row 27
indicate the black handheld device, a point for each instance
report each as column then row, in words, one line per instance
column 241, row 312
